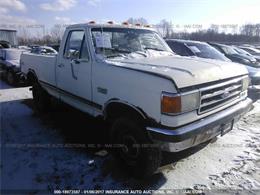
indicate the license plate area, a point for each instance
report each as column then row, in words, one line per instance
column 225, row 128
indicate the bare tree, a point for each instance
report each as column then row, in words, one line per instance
column 23, row 35
column 214, row 28
column 141, row 21
column 248, row 29
column 165, row 28
column 56, row 33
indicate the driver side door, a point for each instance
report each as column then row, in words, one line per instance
column 74, row 71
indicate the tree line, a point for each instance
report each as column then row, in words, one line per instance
column 248, row 33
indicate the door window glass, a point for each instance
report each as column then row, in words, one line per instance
column 84, row 50
column 73, row 45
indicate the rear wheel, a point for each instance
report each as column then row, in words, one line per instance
column 134, row 149
column 41, row 98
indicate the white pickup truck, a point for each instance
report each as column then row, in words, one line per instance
column 154, row 100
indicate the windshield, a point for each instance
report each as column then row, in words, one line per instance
column 206, row 51
column 115, row 42
column 228, row 50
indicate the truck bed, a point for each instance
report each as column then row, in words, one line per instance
column 44, row 65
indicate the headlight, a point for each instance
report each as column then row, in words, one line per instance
column 179, row 103
column 245, row 83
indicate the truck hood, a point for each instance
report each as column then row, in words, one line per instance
column 184, row 71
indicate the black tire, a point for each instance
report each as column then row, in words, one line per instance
column 3, row 75
column 10, row 78
column 134, row 149
column 41, row 98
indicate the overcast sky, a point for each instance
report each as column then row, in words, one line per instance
column 50, row 12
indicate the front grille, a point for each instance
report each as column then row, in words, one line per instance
column 219, row 94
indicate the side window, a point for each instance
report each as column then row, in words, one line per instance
column 84, row 50
column 73, row 45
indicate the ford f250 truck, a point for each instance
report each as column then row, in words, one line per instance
column 154, row 100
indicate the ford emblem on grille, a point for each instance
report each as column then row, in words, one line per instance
column 225, row 94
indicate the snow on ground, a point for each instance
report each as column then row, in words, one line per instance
column 51, row 151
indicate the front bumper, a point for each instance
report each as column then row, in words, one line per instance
column 200, row 131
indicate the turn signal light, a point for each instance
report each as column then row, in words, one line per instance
column 92, row 22
column 170, row 104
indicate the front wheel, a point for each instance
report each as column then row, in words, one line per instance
column 41, row 98
column 134, row 149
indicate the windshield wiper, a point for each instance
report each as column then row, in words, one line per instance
column 121, row 50
column 141, row 53
column 115, row 49
column 115, row 55
column 153, row 48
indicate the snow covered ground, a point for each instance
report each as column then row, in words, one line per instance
column 41, row 153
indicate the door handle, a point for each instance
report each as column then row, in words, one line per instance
column 72, row 72
column 61, row 65
column 75, row 61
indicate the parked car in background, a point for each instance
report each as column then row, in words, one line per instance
column 5, row 44
column 43, row 50
column 234, row 56
column 252, row 65
column 10, row 64
column 254, row 87
column 195, row 48
column 251, row 50
column 244, row 52
column 55, row 46
column 24, row 47
column 257, row 47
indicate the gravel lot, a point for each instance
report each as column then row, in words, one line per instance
column 61, row 150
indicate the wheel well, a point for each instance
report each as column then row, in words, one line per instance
column 31, row 77
column 115, row 110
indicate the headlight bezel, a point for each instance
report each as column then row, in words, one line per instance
column 245, row 83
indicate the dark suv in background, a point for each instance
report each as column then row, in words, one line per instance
column 195, row 48
column 235, row 56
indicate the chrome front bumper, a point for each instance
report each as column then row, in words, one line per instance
column 181, row 138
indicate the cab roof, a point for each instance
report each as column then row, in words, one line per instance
column 129, row 26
